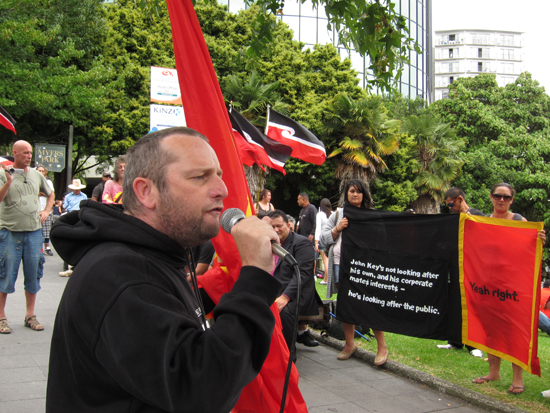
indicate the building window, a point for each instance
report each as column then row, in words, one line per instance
column 506, row 80
column 447, row 39
column 507, row 54
column 507, row 40
column 480, row 66
column 451, row 79
column 507, row 68
column 480, row 38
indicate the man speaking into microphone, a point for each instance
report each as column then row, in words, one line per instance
column 129, row 334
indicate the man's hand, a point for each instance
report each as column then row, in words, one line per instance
column 310, row 238
column 253, row 238
column 282, row 301
column 9, row 177
column 43, row 215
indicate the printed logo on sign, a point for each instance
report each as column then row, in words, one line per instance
column 167, row 73
column 168, row 110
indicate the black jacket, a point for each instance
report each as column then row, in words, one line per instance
column 128, row 336
column 302, row 250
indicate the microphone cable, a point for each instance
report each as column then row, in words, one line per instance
column 292, row 348
column 191, row 262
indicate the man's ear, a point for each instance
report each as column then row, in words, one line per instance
column 146, row 192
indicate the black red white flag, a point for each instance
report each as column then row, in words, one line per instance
column 6, row 161
column 305, row 145
column 6, row 120
column 270, row 153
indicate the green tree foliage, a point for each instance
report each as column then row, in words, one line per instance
column 373, row 28
column 251, row 98
column 52, row 74
column 436, row 160
column 394, row 189
column 134, row 43
column 307, row 82
column 360, row 135
column 507, row 134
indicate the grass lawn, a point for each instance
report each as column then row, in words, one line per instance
column 459, row 367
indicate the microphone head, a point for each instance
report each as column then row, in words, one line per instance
column 230, row 217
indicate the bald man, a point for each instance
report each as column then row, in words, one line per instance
column 21, row 219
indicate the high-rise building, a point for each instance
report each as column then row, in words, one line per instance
column 310, row 27
column 468, row 53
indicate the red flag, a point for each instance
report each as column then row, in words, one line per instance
column 5, row 161
column 247, row 152
column 305, row 145
column 270, row 153
column 6, row 120
column 205, row 111
column 501, row 302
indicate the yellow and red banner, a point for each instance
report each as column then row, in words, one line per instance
column 205, row 112
column 500, row 264
column 470, row 279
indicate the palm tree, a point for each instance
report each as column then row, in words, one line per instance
column 251, row 97
column 362, row 136
column 437, row 161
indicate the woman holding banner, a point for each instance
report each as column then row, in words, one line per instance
column 502, row 196
column 322, row 216
column 357, row 195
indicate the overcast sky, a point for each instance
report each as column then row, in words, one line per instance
column 532, row 17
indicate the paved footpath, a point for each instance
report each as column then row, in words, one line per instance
column 328, row 385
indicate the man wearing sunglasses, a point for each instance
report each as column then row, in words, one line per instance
column 455, row 199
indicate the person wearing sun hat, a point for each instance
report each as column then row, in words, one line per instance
column 72, row 203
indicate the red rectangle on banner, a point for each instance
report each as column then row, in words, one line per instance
column 500, row 276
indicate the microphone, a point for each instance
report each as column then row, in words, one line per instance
column 232, row 216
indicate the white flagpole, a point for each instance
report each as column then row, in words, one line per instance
column 267, row 120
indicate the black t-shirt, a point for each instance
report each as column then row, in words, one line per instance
column 473, row 211
column 307, row 221
column 98, row 191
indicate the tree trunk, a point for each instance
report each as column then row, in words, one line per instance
column 256, row 180
column 425, row 204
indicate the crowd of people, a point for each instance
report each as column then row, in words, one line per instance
column 327, row 225
column 130, row 247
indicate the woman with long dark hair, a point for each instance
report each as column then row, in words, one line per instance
column 322, row 218
column 356, row 194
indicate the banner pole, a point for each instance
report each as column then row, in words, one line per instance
column 259, row 185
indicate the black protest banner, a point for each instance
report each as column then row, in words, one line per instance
column 399, row 273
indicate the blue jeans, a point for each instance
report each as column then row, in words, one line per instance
column 544, row 323
column 17, row 246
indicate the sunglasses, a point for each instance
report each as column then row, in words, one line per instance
column 500, row 197
column 451, row 204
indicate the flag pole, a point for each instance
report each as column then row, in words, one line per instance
column 259, row 185
column 267, row 119
column 261, row 170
